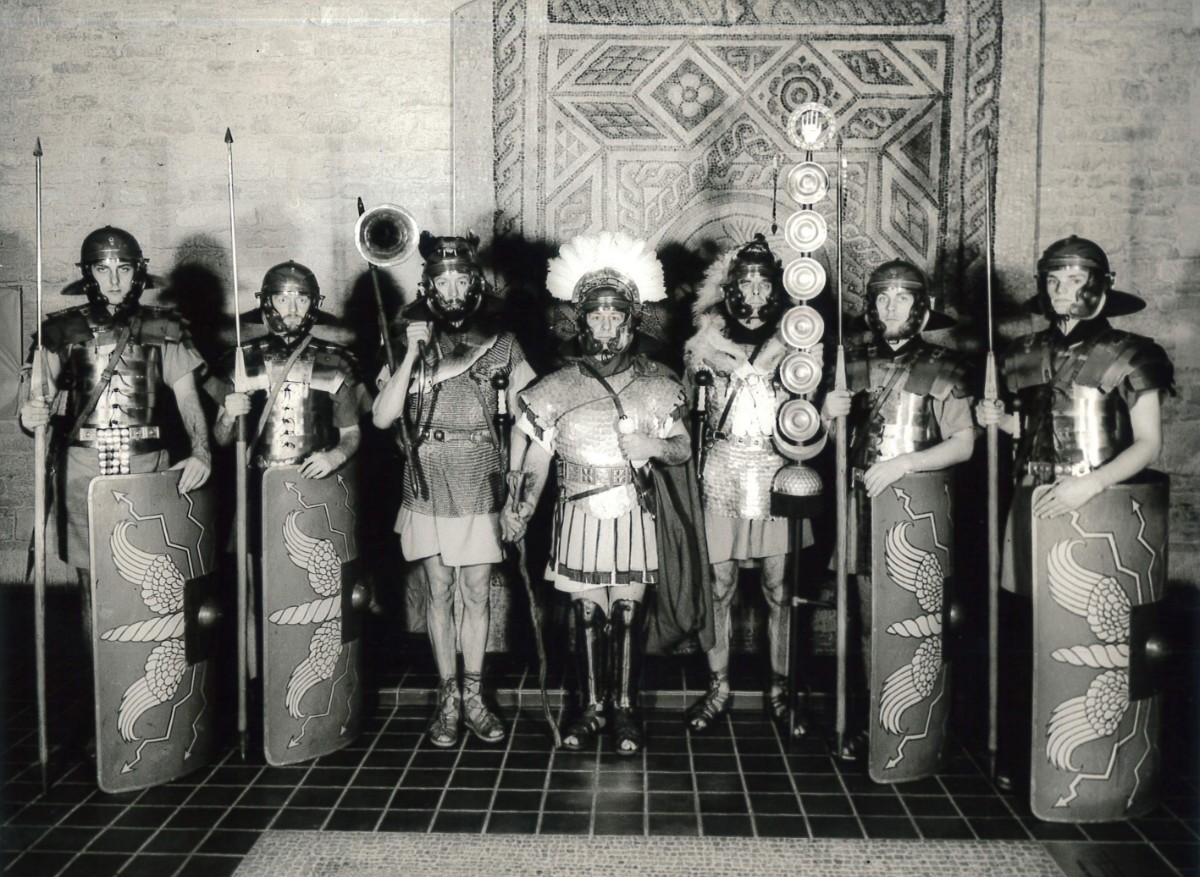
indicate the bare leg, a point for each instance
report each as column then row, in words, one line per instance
column 778, row 616
column 707, row 711
column 439, row 617
column 474, row 582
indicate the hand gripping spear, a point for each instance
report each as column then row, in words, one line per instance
column 37, row 386
column 516, row 486
column 242, row 537
column 839, row 383
column 991, row 394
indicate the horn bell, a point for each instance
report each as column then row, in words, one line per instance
column 386, row 235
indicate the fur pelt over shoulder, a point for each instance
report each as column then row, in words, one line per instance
column 712, row 346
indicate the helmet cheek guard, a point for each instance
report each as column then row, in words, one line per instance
column 107, row 243
column 289, row 278
column 606, row 349
column 755, row 259
column 443, row 255
column 1075, row 252
column 903, row 275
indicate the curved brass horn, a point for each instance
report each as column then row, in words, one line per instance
column 386, row 235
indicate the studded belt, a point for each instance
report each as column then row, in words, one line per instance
column 605, row 476
column 116, row 445
column 477, row 436
column 1045, row 473
column 756, row 442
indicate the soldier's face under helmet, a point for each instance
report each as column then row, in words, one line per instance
column 753, row 297
column 1074, row 292
column 293, row 307
column 452, row 293
column 114, row 278
column 894, row 305
column 607, row 325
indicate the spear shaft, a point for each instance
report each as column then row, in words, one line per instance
column 991, row 394
column 242, row 537
column 38, row 387
column 842, row 498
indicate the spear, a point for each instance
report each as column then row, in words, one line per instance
column 37, row 385
column 242, row 538
column 991, row 394
column 839, row 383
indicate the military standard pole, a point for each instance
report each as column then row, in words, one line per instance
column 37, row 386
column 242, row 537
column 991, row 394
column 383, row 323
column 839, row 383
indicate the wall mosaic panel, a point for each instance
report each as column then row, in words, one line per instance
column 648, row 121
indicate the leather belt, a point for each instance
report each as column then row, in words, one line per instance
column 1045, row 473
column 743, row 441
column 113, row 434
column 439, row 434
column 606, row 476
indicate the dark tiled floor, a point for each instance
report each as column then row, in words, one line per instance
column 742, row 780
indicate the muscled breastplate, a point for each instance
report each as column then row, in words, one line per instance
column 300, row 421
column 900, row 423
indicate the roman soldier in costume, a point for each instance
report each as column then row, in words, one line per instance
column 615, row 421
column 737, row 342
column 302, row 401
column 909, row 411
column 1085, row 415
column 108, row 370
column 454, row 483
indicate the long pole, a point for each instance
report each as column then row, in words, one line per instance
column 991, row 393
column 839, row 383
column 383, row 324
column 38, row 386
column 242, row 538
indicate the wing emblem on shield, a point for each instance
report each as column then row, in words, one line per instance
column 162, row 591
column 1097, row 713
column 919, row 572
column 322, row 564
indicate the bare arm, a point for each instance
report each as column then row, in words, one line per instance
column 954, row 450
column 324, row 463
column 1069, row 493
column 197, row 467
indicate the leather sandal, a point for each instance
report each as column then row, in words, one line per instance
column 580, row 735
column 443, row 730
column 480, row 720
column 627, row 736
column 711, row 708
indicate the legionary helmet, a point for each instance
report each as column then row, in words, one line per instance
column 290, row 279
column 754, row 259
column 901, row 274
column 1076, row 252
column 606, row 272
column 108, row 243
column 443, row 255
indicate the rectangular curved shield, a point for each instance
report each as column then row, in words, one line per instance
column 312, row 680
column 911, row 561
column 1096, row 572
column 153, row 555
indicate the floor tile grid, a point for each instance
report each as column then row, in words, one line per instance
column 400, row 780
column 378, row 736
column 838, row 772
column 737, row 759
column 508, row 747
column 1082, row 828
column 695, row 784
column 545, row 790
column 787, row 766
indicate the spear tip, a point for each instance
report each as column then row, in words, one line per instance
column 37, row 150
column 361, row 208
column 228, row 136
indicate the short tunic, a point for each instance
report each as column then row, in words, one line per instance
column 602, row 535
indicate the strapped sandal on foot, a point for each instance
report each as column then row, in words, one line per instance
column 480, row 720
column 711, row 708
column 581, row 734
column 627, row 736
column 443, row 730
column 854, row 746
column 775, row 704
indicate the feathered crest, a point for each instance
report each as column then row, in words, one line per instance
column 629, row 259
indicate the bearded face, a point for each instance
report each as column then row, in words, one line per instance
column 291, row 311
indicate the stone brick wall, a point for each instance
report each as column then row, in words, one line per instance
column 326, row 102
column 1119, row 119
